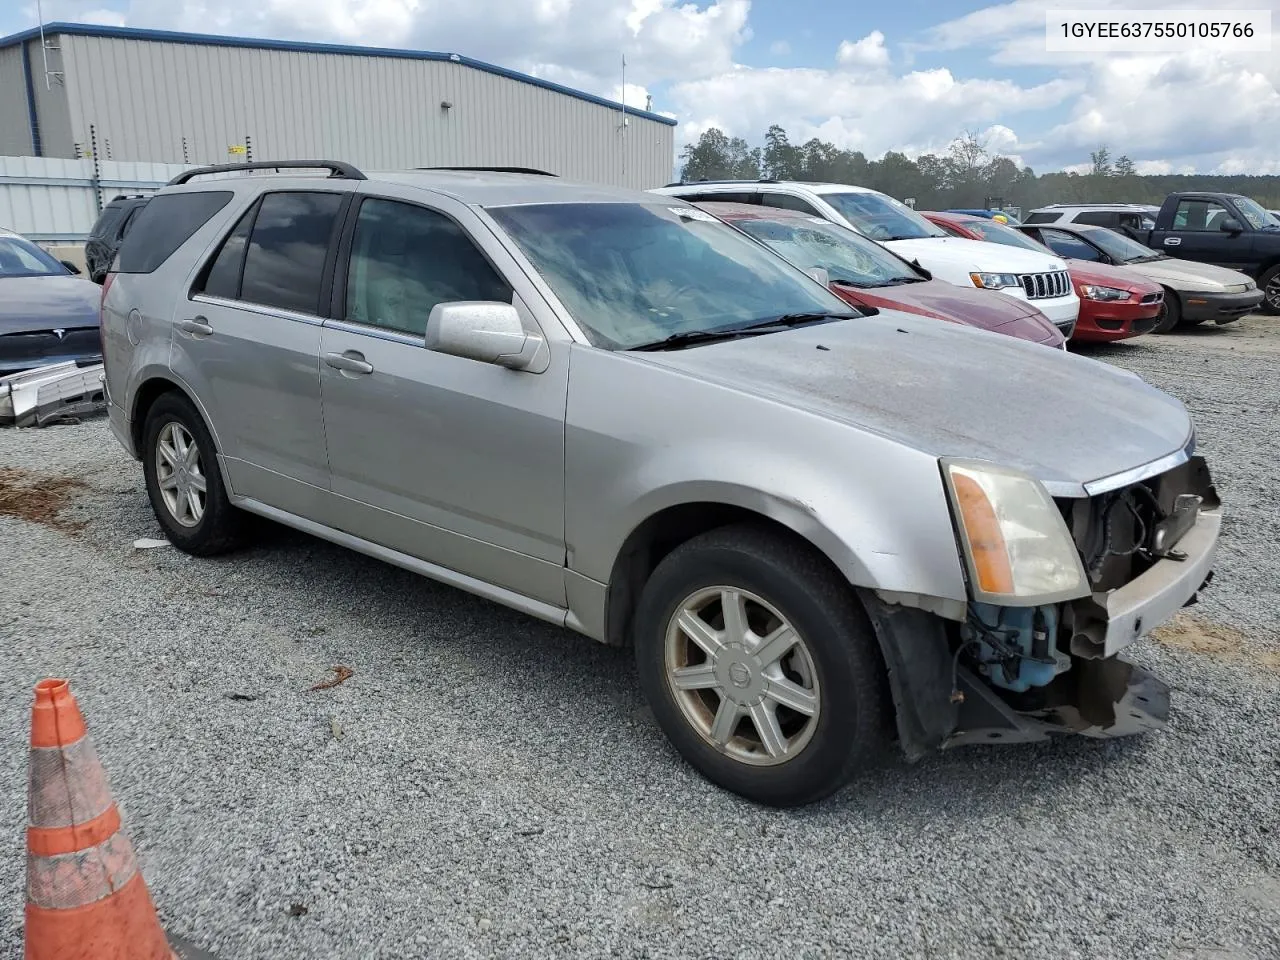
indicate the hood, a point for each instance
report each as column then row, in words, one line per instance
column 977, row 256
column 47, row 303
column 950, row 391
column 1189, row 275
column 1086, row 271
column 985, row 309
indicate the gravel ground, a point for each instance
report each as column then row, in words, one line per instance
column 485, row 785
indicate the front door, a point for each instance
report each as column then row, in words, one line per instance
column 1197, row 234
column 456, row 462
column 247, row 340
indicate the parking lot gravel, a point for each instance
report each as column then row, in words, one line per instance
column 484, row 785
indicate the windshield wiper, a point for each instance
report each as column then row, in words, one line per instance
column 693, row 338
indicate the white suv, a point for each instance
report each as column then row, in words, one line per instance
column 1040, row 278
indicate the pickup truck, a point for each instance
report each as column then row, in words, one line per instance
column 1224, row 229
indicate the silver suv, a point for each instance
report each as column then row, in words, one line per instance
column 820, row 529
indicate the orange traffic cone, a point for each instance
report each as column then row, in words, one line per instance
column 86, row 899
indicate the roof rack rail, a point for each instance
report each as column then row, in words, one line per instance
column 694, row 183
column 529, row 170
column 336, row 168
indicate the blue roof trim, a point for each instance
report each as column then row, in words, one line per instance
column 298, row 46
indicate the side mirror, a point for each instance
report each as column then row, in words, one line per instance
column 486, row 331
column 820, row 274
column 70, row 266
column 1231, row 225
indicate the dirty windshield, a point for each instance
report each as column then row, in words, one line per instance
column 846, row 256
column 635, row 273
column 1258, row 218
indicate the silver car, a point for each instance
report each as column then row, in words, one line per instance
column 822, row 530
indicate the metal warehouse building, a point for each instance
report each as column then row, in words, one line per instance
column 142, row 95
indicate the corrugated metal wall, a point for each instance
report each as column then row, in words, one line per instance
column 144, row 97
column 53, row 200
column 15, row 125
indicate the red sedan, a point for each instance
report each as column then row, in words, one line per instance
column 1115, row 303
column 865, row 274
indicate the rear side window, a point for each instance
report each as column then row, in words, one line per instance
column 1043, row 218
column 785, row 201
column 165, row 224
column 284, row 265
column 1097, row 218
column 222, row 276
column 1070, row 246
column 745, row 197
column 106, row 221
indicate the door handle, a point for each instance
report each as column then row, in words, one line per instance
column 196, row 326
column 350, row 362
column 1172, row 241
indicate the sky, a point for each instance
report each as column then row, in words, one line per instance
column 907, row 75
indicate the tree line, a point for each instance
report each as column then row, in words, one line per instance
column 969, row 175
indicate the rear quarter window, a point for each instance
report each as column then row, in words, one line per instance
column 165, row 224
column 1043, row 218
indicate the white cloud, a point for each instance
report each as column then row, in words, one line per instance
column 868, row 52
column 918, row 112
column 779, row 48
column 661, row 39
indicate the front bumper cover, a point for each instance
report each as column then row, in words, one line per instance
column 1220, row 307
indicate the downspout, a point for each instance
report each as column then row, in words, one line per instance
column 32, row 117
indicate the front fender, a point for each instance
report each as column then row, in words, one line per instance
column 640, row 439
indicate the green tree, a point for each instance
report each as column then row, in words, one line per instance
column 1124, row 166
column 782, row 161
column 716, row 156
column 1101, row 160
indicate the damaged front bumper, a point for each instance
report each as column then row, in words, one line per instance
column 936, row 667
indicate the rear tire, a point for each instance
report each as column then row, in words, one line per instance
column 1171, row 316
column 709, row 627
column 1269, row 283
column 180, row 463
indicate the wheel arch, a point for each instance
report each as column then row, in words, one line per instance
column 144, row 398
column 667, row 526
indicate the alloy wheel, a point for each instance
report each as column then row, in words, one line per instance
column 180, row 474
column 1272, row 293
column 742, row 675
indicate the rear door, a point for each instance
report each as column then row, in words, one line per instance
column 247, row 338
column 454, row 461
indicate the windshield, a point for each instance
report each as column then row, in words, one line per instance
column 882, row 218
column 22, row 258
column 1117, row 246
column 635, row 273
column 846, row 256
column 1258, row 218
column 999, row 233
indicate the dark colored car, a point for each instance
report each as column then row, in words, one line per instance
column 108, row 232
column 47, row 313
column 865, row 274
column 1115, row 303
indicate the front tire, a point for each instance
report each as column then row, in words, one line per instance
column 761, row 666
column 1269, row 282
column 1172, row 315
column 180, row 463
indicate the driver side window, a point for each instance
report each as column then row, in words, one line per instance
column 405, row 259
